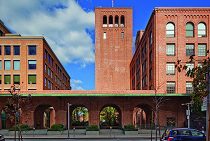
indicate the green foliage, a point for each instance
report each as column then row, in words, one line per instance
column 92, row 128
column 130, row 127
column 56, row 127
column 22, row 127
column 80, row 116
column 109, row 116
column 200, row 82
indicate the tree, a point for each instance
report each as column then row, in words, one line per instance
column 13, row 108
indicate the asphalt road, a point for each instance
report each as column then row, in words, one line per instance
column 82, row 140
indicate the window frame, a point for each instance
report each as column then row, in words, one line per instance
column 32, row 64
column 189, row 50
column 15, row 63
column 30, row 52
column 14, row 50
column 187, row 31
column 168, row 51
column 168, row 70
column 170, row 28
column 31, row 82
column 202, row 30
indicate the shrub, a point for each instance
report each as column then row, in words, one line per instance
column 130, row 127
column 92, row 128
column 56, row 127
column 23, row 127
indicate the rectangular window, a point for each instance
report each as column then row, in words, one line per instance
column 7, row 65
column 32, row 79
column 104, row 35
column 32, row 64
column 16, row 79
column 189, row 87
column 189, row 66
column 16, row 64
column 7, row 50
column 0, row 50
column 190, row 49
column 7, row 79
column 16, row 50
column 0, row 65
column 170, row 68
column 170, row 87
column 122, row 35
column 31, row 50
column 0, row 79
column 170, row 49
column 201, row 49
column 45, row 82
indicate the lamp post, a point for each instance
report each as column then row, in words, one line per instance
column 188, row 112
column 68, row 124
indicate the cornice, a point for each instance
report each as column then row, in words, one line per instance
column 183, row 9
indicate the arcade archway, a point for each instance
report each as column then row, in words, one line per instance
column 110, row 116
column 44, row 116
column 79, row 117
column 143, row 116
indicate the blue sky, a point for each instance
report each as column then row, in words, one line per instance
column 68, row 26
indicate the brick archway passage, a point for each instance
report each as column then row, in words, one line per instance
column 95, row 101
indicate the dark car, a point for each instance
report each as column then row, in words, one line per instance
column 183, row 134
column 2, row 138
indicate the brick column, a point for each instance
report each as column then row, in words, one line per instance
column 127, row 115
column 94, row 114
column 61, row 117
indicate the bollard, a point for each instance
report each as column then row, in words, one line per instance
column 110, row 131
column 74, row 131
column 33, row 131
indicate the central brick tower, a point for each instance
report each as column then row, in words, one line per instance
column 113, row 48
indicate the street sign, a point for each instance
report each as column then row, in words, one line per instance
column 204, row 105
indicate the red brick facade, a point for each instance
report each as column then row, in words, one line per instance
column 49, row 72
column 113, row 45
column 153, row 64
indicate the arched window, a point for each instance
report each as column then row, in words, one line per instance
column 104, row 21
column 189, row 30
column 170, row 30
column 201, row 30
column 110, row 21
column 116, row 19
column 122, row 21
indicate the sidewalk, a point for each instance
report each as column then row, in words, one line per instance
column 79, row 134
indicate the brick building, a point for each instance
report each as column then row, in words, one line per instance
column 113, row 48
column 29, row 63
column 171, row 34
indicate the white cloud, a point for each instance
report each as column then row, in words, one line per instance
column 62, row 22
column 76, row 84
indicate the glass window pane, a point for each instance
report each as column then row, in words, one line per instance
column 170, row 49
column 16, row 50
column 201, row 49
column 7, row 50
column 190, row 49
column 170, row 87
column 0, row 79
column 32, row 64
column 189, row 30
column 31, row 79
column 16, row 64
column 170, row 68
column 170, row 30
column 7, row 79
column 0, row 50
column 7, row 65
column 32, row 50
column 16, row 79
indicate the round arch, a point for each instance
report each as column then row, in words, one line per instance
column 44, row 116
column 143, row 116
column 110, row 116
column 79, row 116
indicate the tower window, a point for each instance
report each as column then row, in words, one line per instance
column 104, row 21
column 116, row 21
column 122, row 21
column 122, row 35
column 110, row 21
column 104, row 35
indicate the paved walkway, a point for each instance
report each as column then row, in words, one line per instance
column 80, row 134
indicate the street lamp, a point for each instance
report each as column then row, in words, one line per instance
column 187, row 112
column 68, row 108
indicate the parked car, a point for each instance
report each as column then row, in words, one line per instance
column 2, row 138
column 183, row 134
